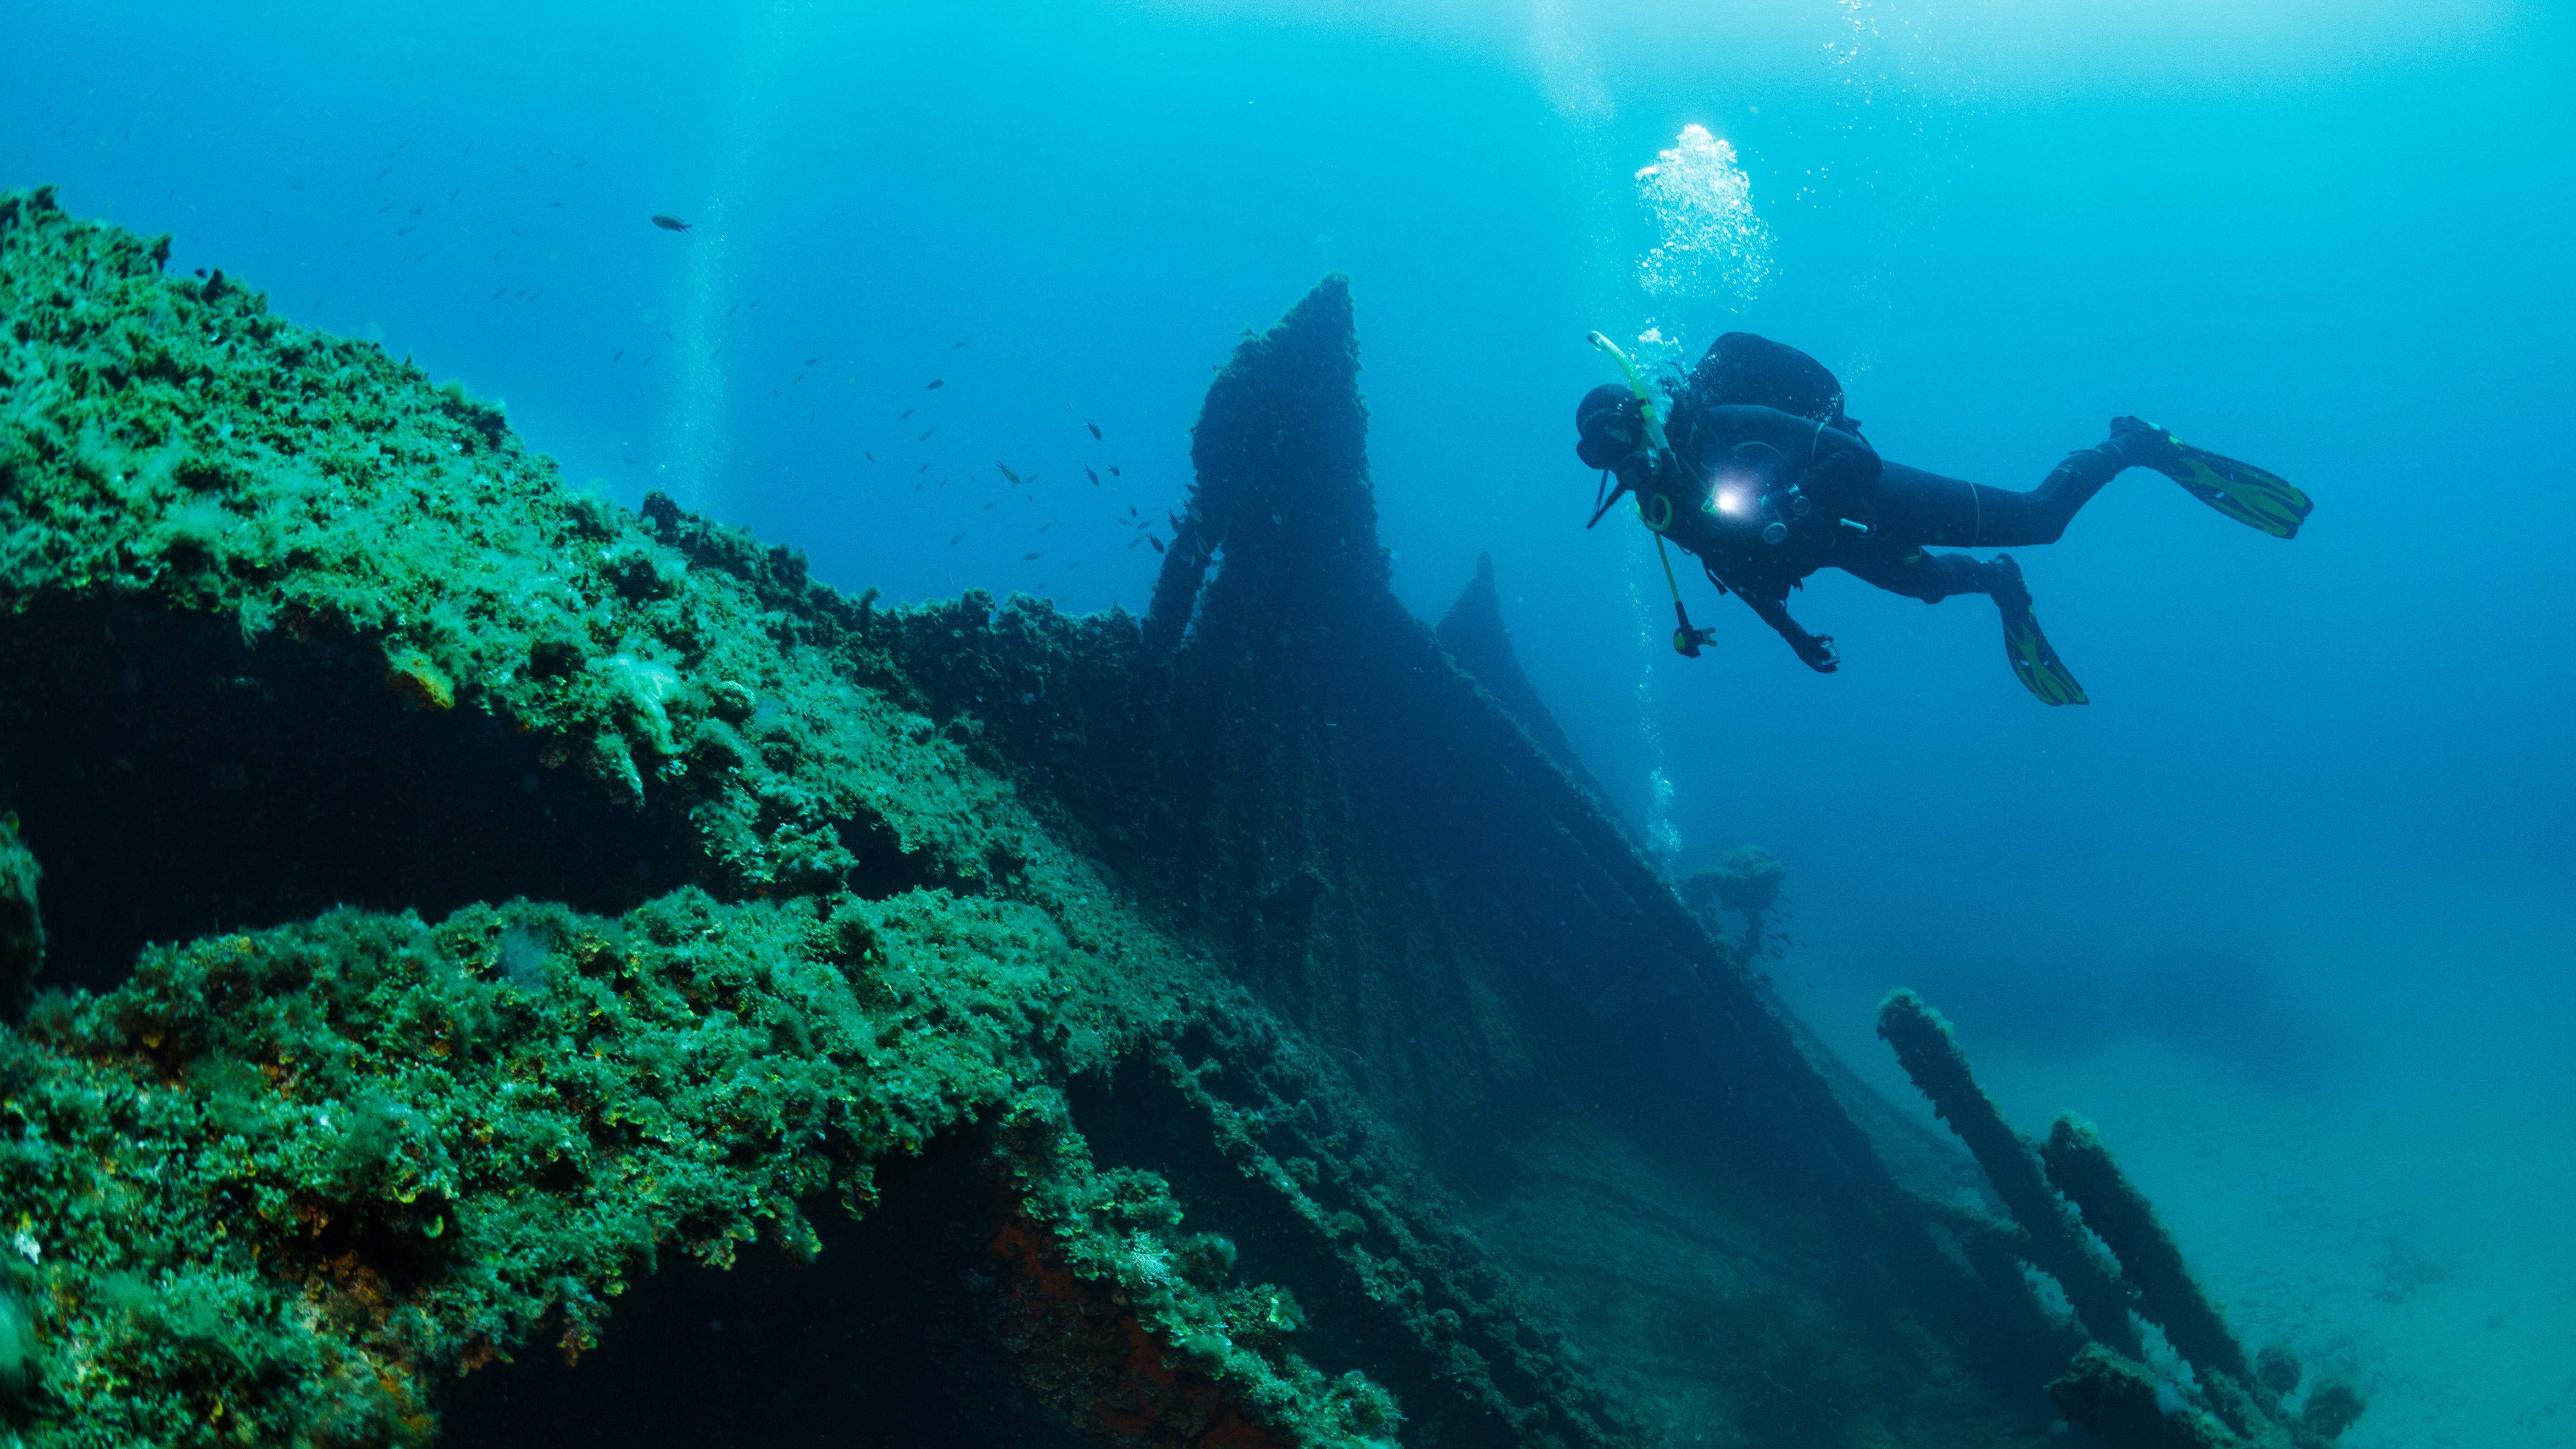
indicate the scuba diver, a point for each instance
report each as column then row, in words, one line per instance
column 1762, row 475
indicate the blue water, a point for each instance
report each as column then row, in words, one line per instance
column 2287, row 908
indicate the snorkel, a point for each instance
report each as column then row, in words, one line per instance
column 1637, row 385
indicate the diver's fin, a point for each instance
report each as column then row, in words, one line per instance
column 2250, row 495
column 2033, row 662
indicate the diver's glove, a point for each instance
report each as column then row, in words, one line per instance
column 1819, row 653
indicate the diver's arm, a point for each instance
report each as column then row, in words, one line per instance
column 1815, row 650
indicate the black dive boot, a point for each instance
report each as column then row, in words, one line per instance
column 2033, row 663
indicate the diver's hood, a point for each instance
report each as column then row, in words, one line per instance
column 1610, row 422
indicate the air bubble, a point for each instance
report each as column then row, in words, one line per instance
column 1711, row 242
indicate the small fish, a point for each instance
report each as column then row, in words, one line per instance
column 1094, row 477
column 809, row 362
column 924, row 468
column 1007, row 473
column 958, row 539
column 961, row 344
column 1113, row 470
column 988, row 505
column 621, row 352
column 1131, row 510
column 1156, row 542
column 871, row 457
column 669, row 223
column 1095, row 429
column 1140, row 538
column 1024, row 558
column 925, row 436
column 908, row 412
column 936, row 384
column 630, row 460
column 753, row 303
column 496, row 296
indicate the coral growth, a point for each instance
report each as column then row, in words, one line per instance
column 1746, row 880
column 175, row 441
column 419, row 1142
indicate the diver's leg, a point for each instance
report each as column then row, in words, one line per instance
column 1919, row 573
column 1932, row 577
column 1960, row 514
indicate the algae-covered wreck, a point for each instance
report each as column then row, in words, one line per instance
column 454, row 924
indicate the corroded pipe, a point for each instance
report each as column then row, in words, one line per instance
column 2124, row 1220
column 1931, row 1056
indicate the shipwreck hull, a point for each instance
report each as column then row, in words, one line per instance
column 575, row 929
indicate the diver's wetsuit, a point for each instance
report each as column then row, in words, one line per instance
column 1734, row 467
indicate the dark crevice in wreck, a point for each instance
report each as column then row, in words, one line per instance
column 892, row 1334
column 176, row 782
column 884, row 868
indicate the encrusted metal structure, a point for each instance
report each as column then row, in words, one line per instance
column 456, row 927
